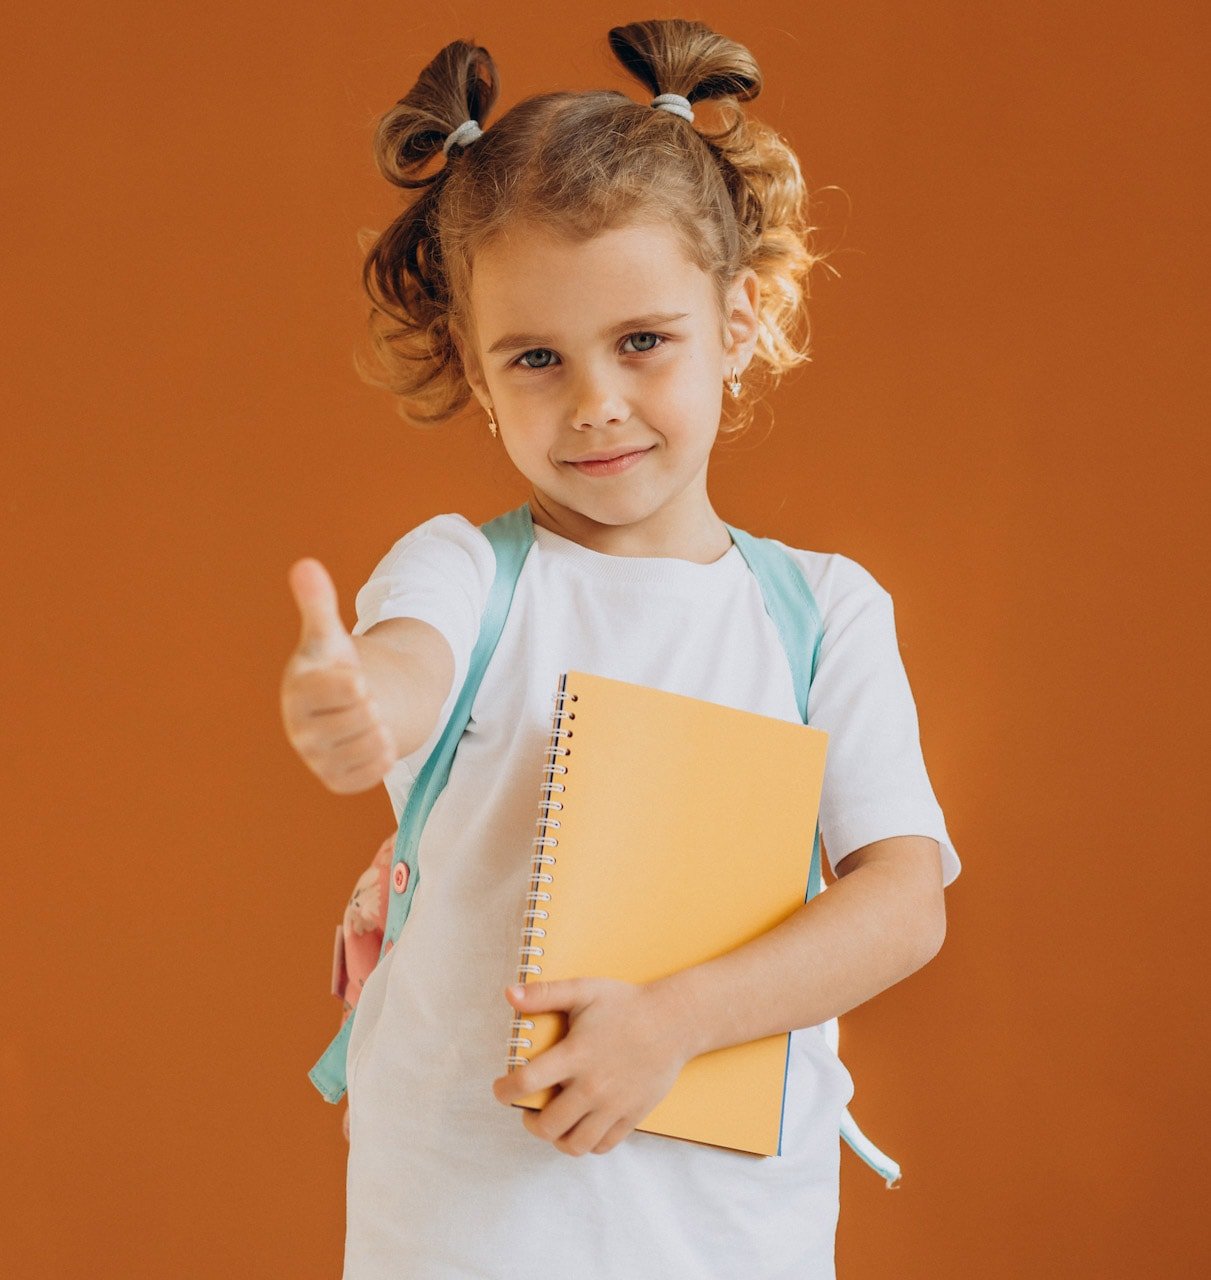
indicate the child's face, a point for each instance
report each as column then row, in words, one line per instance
column 590, row 370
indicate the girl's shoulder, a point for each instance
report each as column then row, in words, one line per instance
column 841, row 585
column 449, row 539
column 445, row 552
column 451, row 527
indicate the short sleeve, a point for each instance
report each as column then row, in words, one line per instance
column 442, row 573
column 875, row 782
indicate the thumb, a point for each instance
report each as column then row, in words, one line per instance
column 323, row 638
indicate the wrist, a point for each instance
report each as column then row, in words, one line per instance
column 678, row 1010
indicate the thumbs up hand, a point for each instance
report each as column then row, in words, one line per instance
column 329, row 714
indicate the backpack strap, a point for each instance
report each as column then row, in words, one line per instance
column 790, row 603
column 792, row 606
column 511, row 535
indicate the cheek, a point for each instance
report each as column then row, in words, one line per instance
column 696, row 382
column 537, row 448
column 690, row 408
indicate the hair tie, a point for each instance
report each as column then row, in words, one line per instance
column 675, row 103
column 466, row 132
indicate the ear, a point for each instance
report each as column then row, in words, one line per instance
column 741, row 329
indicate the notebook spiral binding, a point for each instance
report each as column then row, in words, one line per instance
column 538, row 876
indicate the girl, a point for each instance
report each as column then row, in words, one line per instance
column 596, row 271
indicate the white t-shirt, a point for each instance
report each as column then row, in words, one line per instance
column 444, row 1182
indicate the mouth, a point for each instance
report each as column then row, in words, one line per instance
column 610, row 465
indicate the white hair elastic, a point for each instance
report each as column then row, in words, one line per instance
column 466, row 132
column 675, row 103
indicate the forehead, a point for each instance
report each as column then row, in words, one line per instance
column 536, row 277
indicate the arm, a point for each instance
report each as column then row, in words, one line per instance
column 881, row 920
column 878, row 922
column 409, row 667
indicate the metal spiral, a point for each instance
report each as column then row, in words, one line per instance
column 538, row 876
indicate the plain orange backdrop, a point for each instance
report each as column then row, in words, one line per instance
column 1001, row 421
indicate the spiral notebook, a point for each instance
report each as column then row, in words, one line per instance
column 671, row 830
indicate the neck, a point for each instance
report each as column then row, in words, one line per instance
column 701, row 537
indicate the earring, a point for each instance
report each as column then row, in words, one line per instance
column 491, row 424
column 734, row 385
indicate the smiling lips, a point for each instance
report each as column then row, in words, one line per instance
column 611, row 464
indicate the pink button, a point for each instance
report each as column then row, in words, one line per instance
column 399, row 877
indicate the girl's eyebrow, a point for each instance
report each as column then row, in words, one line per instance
column 512, row 341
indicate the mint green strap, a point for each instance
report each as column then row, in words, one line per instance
column 511, row 535
column 862, row 1146
column 792, row 606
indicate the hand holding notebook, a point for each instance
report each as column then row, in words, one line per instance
column 620, row 1056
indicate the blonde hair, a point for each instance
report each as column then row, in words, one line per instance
column 577, row 163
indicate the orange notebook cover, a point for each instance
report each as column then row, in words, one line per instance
column 671, row 830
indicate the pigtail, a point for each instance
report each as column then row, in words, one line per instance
column 460, row 84
column 761, row 173
column 404, row 274
column 675, row 55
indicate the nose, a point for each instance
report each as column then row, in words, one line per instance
column 597, row 401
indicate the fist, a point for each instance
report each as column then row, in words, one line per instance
column 327, row 711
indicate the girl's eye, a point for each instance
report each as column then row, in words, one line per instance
column 538, row 351
column 523, row 359
column 657, row 336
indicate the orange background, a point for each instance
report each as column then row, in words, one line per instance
column 1000, row 422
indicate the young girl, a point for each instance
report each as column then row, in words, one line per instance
column 597, row 271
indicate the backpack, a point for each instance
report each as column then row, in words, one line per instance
column 789, row 602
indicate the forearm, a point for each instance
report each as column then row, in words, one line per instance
column 398, row 684
column 866, row 932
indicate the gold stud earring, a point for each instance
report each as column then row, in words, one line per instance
column 734, row 385
column 491, row 424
